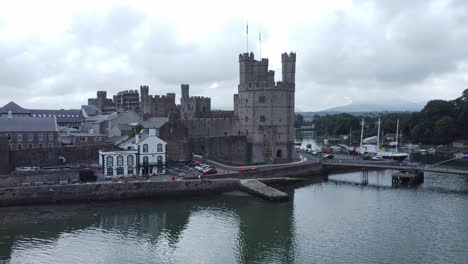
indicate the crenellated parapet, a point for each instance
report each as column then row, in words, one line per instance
column 288, row 62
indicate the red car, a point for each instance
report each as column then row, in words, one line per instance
column 209, row 171
column 195, row 163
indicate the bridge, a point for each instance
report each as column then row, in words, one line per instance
column 388, row 165
column 305, row 128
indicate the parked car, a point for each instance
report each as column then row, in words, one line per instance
column 366, row 157
column 195, row 163
column 202, row 167
column 209, row 171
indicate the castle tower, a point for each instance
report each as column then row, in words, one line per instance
column 265, row 109
column 246, row 67
column 145, row 100
column 185, row 91
column 101, row 99
column 289, row 67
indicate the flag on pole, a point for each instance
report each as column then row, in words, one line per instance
column 247, row 28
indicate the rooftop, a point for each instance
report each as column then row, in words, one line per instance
column 26, row 124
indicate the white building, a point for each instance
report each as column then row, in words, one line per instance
column 142, row 155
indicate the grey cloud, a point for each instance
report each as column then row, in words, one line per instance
column 409, row 46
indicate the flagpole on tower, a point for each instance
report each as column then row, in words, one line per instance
column 260, row 40
column 247, row 32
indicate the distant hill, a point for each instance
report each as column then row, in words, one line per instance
column 360, row 108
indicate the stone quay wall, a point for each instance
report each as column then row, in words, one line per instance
column 112, row 191
column 50, row 156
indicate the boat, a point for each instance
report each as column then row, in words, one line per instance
column 379, row 153
column 400, row 156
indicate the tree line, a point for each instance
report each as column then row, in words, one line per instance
column 439, row 122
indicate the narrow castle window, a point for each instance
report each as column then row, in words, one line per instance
column 262, row 118
column 246, row 119
column 278, row 153
column 261, row 99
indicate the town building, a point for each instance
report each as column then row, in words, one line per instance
column 25, row 132
column 65, row 118
column 143, row 155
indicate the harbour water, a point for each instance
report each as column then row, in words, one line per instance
column 352, row 218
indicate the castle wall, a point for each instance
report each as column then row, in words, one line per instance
column 175, row 133
column 48, row 157
column 156, row 106
column 226, row 149
column 211, row 127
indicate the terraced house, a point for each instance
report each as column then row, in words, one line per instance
column 26, row 132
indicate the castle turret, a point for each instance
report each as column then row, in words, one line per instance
column 260, row 73
column 246, row 67
column 185, row 92
column 145, row 102
column 289, row 67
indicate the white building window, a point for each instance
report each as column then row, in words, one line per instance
column 19, row 137
column 110, row 161
column 40, row 137
column 130, row 161
column 145, row 148
column 160, row 149
column 51, row 136
column 120, row 160
column 20, row 146
column 30, row 137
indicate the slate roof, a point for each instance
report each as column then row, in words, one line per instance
column 91, row 110
column 155, row 122
column 14, row 108
column 125, row 127
column 63, row 116
column 26, row 124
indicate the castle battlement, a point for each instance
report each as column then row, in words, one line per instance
column 288, row 57
column 128, row 92
column 246, row 56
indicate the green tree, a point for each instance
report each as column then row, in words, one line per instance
column 444, row 130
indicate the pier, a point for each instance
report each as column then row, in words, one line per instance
column 408, row 178
column 257, row 188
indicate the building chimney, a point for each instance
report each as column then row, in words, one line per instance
column 137, row 138
column 152, row 132
column 10, row 114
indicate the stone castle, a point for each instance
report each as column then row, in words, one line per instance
column 260, row 129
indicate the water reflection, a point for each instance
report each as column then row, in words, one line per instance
column 159, row 231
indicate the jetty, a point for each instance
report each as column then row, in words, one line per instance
column 257, row 188
column 408, row 178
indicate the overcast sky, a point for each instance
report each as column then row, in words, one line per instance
column 56, row 54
